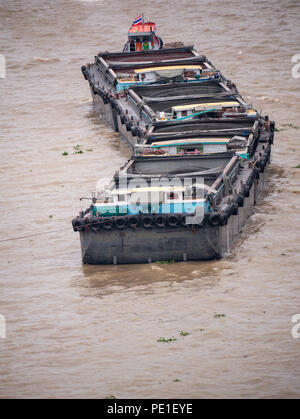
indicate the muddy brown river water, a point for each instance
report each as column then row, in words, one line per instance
column 92, row 331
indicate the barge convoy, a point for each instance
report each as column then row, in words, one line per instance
column 199, row 155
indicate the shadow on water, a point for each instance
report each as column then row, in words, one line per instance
column 111, row 138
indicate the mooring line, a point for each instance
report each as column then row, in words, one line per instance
column 34, row 235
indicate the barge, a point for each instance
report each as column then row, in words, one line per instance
column 200, row 154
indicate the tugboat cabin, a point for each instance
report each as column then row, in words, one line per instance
column 142, row 37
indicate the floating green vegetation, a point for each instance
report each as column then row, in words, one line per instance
column 164, row 340
column 176, row 380
column 165, row 262
column 290, row 126
column 77, row 149
column 182, row 333
column 50, row 216
column 219, row 316
column 285, row 127
column 110, row 397
column 297, row 167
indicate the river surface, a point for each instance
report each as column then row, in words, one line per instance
column 92, row 331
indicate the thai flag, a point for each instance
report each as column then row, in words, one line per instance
column 138, row 21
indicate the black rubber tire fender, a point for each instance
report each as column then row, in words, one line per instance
column 263, row 165
column 172, row 220
column 108, row 224
column 214, row 219
column 181, row 220
column 135, row 131
column 76, row 224
column 84, row 72
column 133, row 221
column 105, row 99
column 147, row 221
column 160, row 221
column 234, row 209
column 86, row 221
column 246, row 191
column 239, row 200
column 224, row 219
column 121, row 223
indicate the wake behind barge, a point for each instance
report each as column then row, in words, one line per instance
column 200, row 155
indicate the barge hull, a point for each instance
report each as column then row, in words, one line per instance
column 105, row 111
column 128, row 246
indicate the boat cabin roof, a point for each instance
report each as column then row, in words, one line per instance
column 197, row 106
column 159, row 55
column 148, row 189
column 186, row 90
column 187, row 141
column 142, row 29
column 171, row 67
column 162, row 129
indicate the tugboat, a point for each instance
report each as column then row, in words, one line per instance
column 142, row 37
